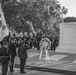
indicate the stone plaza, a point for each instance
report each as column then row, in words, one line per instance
column 60, row 64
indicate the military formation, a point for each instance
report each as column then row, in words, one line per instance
column 17, row 45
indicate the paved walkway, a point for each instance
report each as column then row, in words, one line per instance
column 60, row 64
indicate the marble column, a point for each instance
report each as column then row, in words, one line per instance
column 67, row 41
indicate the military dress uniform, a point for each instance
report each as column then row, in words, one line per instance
column 13, row 54
column 27, row 41
column 31, row 40
column 38, row 37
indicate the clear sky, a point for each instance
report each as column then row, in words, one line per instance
column 70, row 5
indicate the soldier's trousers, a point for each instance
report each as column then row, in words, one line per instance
column 4, row 69
column 22, row 64
column 12, row 63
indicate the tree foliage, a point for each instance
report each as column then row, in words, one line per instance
column 44, row 14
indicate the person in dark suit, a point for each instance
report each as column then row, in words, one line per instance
column 4, row 55
column 12, row 49
column 22, row 54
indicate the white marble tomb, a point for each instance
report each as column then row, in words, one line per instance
column 67, row 41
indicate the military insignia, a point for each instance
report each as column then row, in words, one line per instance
column 4, row 27
column 0, row 23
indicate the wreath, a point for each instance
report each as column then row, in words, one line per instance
column 45, row 44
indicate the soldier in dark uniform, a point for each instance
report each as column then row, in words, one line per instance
column 31, row 40
column 55, row 42
column 18, row 41
column 35, row 41
column 38, row 37
column 27, row 39
column 22, row 54
column 12, row 49
column 4, row 55
column 51, row 39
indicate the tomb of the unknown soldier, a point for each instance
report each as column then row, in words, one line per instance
column 34, row 39
column 67, row 41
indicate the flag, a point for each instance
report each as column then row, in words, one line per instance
column 3, row 27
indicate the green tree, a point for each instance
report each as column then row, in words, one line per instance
column 42, row 14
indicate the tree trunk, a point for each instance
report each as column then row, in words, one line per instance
column 31, row 27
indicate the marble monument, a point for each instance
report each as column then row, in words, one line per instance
column 67, row 41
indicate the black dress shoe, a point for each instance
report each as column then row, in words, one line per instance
column 11, row 70
column 23, row 72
